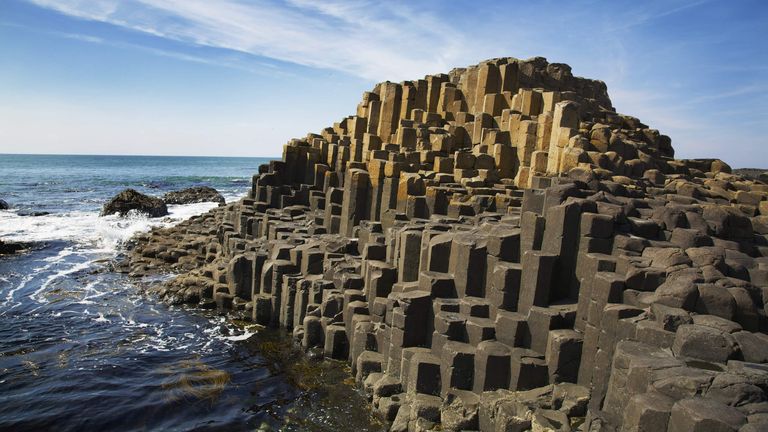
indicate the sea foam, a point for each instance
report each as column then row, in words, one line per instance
column 102, row 233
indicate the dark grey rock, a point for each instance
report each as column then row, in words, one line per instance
column 670, row 318
column 735, row 390
column 678, row 293
column 705, row 343
column 196, row 194
column 9, row 248
column 130, row 199
column 704, row 415
column 647, row 412
column 754, row 346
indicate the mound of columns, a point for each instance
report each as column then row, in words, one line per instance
column 496, row 249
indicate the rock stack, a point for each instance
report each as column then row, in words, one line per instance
column 497, row 249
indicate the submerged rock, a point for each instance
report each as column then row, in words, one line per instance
column 34, row 213
column 193, row 195
column 130, row 199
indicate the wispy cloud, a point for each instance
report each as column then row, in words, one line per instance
column 258, row 68
column 375, row 41
column 648, row 12
column 81, row 37
column 753, row 90
column 662, row 60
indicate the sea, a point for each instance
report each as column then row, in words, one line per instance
column 83, row 348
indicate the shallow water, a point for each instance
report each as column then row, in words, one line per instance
column 81, row 348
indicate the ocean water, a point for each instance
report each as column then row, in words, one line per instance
column 82, row 348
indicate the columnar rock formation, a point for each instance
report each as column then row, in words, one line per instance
column 497, row 249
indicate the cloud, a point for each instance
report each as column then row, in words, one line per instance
column 82, row 37
column 652, row 11
column 375, row 41
column 259, row 68
column 661, row 60
column 753, row 90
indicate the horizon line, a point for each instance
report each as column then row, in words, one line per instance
column 135, row 155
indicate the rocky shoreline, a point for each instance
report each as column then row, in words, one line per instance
column 129, row 200
column 497, row 249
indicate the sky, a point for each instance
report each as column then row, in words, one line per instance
column 242, row 77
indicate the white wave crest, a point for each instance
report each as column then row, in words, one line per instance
column 104, row 234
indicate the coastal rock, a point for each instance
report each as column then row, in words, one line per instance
column 196, row 194
column 753, row 174
column 4, row 205
column 9, row 248
column 497, row 248
column 130, row 199
column 34, row 213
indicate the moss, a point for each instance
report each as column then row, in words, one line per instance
column 57, row 294
column 241, row 323
column 194, row 379
column 328, row 389
column 33, row 367
column 63, row 359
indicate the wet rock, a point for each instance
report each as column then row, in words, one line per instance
column 131, row 200
column 33, row 213
column 4, row 205
column 193, row 195
column 9, row 248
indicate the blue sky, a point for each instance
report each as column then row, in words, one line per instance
column 242, row 77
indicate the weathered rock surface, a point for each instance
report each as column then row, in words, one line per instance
column 131, row 200
column 193, row 195
column 497, row 249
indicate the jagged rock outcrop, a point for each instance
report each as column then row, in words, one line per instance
column 131, row 200
column 196, row 194
column 497, row 249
